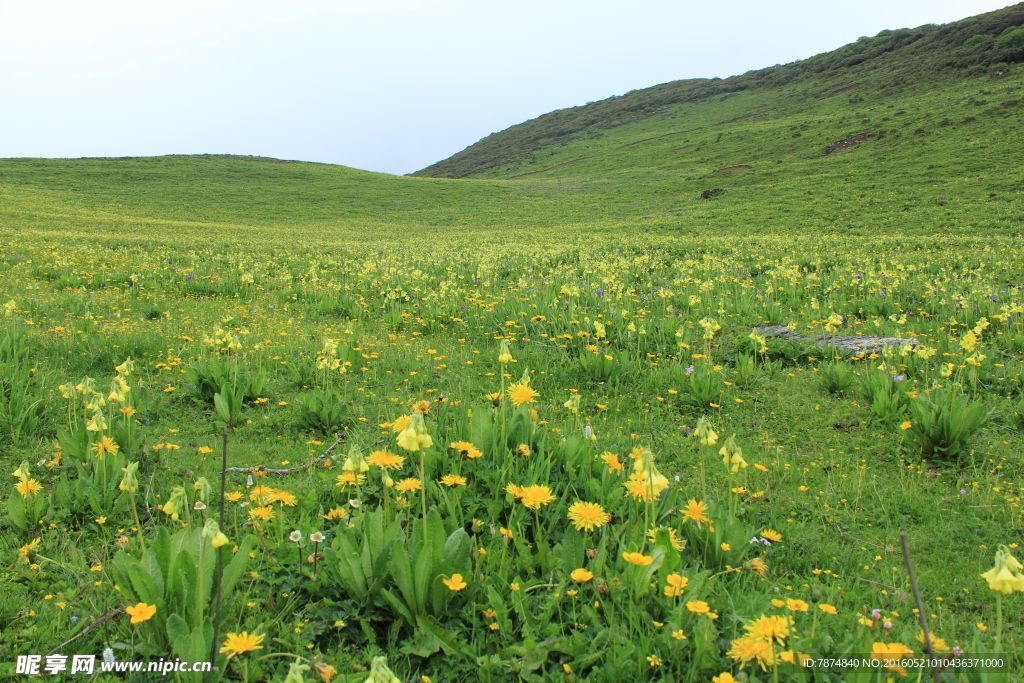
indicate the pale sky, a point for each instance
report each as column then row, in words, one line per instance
column 382, row 85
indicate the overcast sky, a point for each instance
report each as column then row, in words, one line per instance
column 383, row 85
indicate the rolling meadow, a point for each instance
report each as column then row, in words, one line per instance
column 312, row 423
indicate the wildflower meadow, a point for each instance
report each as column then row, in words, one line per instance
column 556, row 460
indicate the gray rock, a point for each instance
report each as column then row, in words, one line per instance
column 851, row 345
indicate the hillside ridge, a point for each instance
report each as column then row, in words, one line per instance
column 887, row 62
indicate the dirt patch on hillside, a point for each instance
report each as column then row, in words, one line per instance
column 658, row 137
column 738, row 118
column 550, row 168
column 834, row 90
column 741, row 167
column 847, row 143
column 842, row 90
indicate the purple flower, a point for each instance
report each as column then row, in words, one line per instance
column 897, row 378
column 963, row 492
column 191, row 276
column 599, row 292
column 689, row 370
column 993, row 298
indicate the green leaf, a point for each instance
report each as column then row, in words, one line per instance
column 422, row 645
column 572, row 550
column 16, row 511
column 446, row 638
column 233, row 569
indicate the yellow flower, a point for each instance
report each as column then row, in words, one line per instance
column 336, row 514
column 704, row 432
column 673, row 537
column 771, row 535
column 233, row 497
column 938, row 644
column 732, row 455
column 827, row 608
column 796, row 605
column 28, row 487
column 521, row 393
column 758, row 566
column 409, row 484
column 748, row 648
column 385, row 460
column 698, row 607
column 504, row 354
column 24, row 550
column 892, row 651
column 265, row 513
column 588, row 516
column 1005, row 576
column 261, row 494
column 638, row 559
column 105, row 445
column 643, row 490
column 453, row 480
column 408, row 440
column 455, row 583
column 907, row 424
column 325, row 671
column 284, row 497
column 612, row 461
column 141, row 612
column 724, row 677
column 676, row 585
column 679, row 635
column 466, row 448
column 696, row 511
column 515, row 491
column 581, row 575
column 211, row 530
column 535, row 496
column 773, row 629
column 237, row 643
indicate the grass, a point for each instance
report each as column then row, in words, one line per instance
column 262, row 280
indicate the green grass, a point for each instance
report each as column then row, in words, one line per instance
column 421, row 278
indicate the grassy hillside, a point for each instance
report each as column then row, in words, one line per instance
column 878, row 69
column 512, row 369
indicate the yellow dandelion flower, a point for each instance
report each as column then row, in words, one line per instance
column 237, row 643
column 588, row 516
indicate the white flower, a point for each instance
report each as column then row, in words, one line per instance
column 108, row 656
column 295, row 536
column 317, row 537
column 353, row 502
column 248, row 480
column 200, row 505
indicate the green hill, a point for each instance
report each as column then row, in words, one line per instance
column 911, row 131
column 862, row 75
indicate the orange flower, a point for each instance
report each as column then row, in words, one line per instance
column 141, row 612
column 638, row 559
column 455, row 583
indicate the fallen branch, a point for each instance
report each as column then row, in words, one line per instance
column 260, row 469
column 102, row 620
